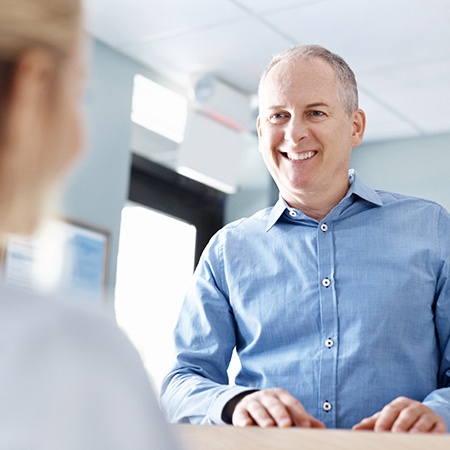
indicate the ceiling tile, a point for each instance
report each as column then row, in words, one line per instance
column 419, row 93
column 398, row 49
column 117, row 22
column 236, row 52
column 371, row 34
column 263, row 6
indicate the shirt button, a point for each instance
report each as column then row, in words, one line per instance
column 324, row 227
column 292, row 213
column 329, row 342
column 326, row 282
column 326, row 406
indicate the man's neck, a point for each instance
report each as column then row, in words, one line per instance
column 317, row 205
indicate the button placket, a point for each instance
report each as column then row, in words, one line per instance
column 329, row 323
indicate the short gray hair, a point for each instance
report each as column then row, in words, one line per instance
column 346, row 81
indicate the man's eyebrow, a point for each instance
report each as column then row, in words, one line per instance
column 317, row 104
column 309, row 105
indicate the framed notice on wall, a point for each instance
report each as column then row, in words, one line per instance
column 64, row 256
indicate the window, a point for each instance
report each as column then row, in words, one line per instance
column 164, row 229
column 162, row 189
column 155, row 264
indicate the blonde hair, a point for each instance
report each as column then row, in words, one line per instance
column 26, row 24
column 29, row 24
column 346, row 81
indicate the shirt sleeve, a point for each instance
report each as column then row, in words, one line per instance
column 196, row 390
column 439, row 400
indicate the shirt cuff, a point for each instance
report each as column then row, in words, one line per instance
column 441, row 410
column 215, row 413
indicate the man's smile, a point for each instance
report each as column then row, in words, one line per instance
column 299, row 156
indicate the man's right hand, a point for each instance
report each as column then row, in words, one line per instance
column 272, row 408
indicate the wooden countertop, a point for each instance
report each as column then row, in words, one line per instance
column 214, row 437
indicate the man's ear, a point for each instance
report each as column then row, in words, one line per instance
column 359, row 126
column 258, row 127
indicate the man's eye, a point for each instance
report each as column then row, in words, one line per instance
column 316, row 113
column 278, row 116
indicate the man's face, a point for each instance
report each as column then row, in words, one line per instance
column 305, row 135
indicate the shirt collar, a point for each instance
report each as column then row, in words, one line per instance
column 357, row 187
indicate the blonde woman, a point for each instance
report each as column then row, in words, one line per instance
column 68, row 378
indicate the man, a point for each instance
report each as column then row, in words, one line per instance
column 337, row 299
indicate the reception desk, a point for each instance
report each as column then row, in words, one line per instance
column 212, row 437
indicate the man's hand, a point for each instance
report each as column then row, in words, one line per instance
column 272, row 408
column 404, row 415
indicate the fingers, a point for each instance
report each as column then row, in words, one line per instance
column 272, row 407
column 316, row 423
column 390, row 418
column 404, row 415
column 368, row 423
column 428, row 424
column 266, row 409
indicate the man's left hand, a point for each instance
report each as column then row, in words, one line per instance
column 404, row 415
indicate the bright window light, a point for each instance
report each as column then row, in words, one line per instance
column 155, row 265
column 158, row 109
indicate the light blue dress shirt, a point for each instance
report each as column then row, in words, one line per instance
column 346, row 314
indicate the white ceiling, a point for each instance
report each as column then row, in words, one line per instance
column 399, row 49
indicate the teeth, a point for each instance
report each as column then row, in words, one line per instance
column 300, row 156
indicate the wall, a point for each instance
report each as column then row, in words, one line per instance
column 98, row 188
column 419, row 167
column 255, row 189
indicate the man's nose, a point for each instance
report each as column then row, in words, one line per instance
column 295, row 130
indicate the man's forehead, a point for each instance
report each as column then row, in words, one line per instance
column 309, row 76
column 299, row 68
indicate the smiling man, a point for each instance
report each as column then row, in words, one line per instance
column 306, row 134
column 337, row 299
